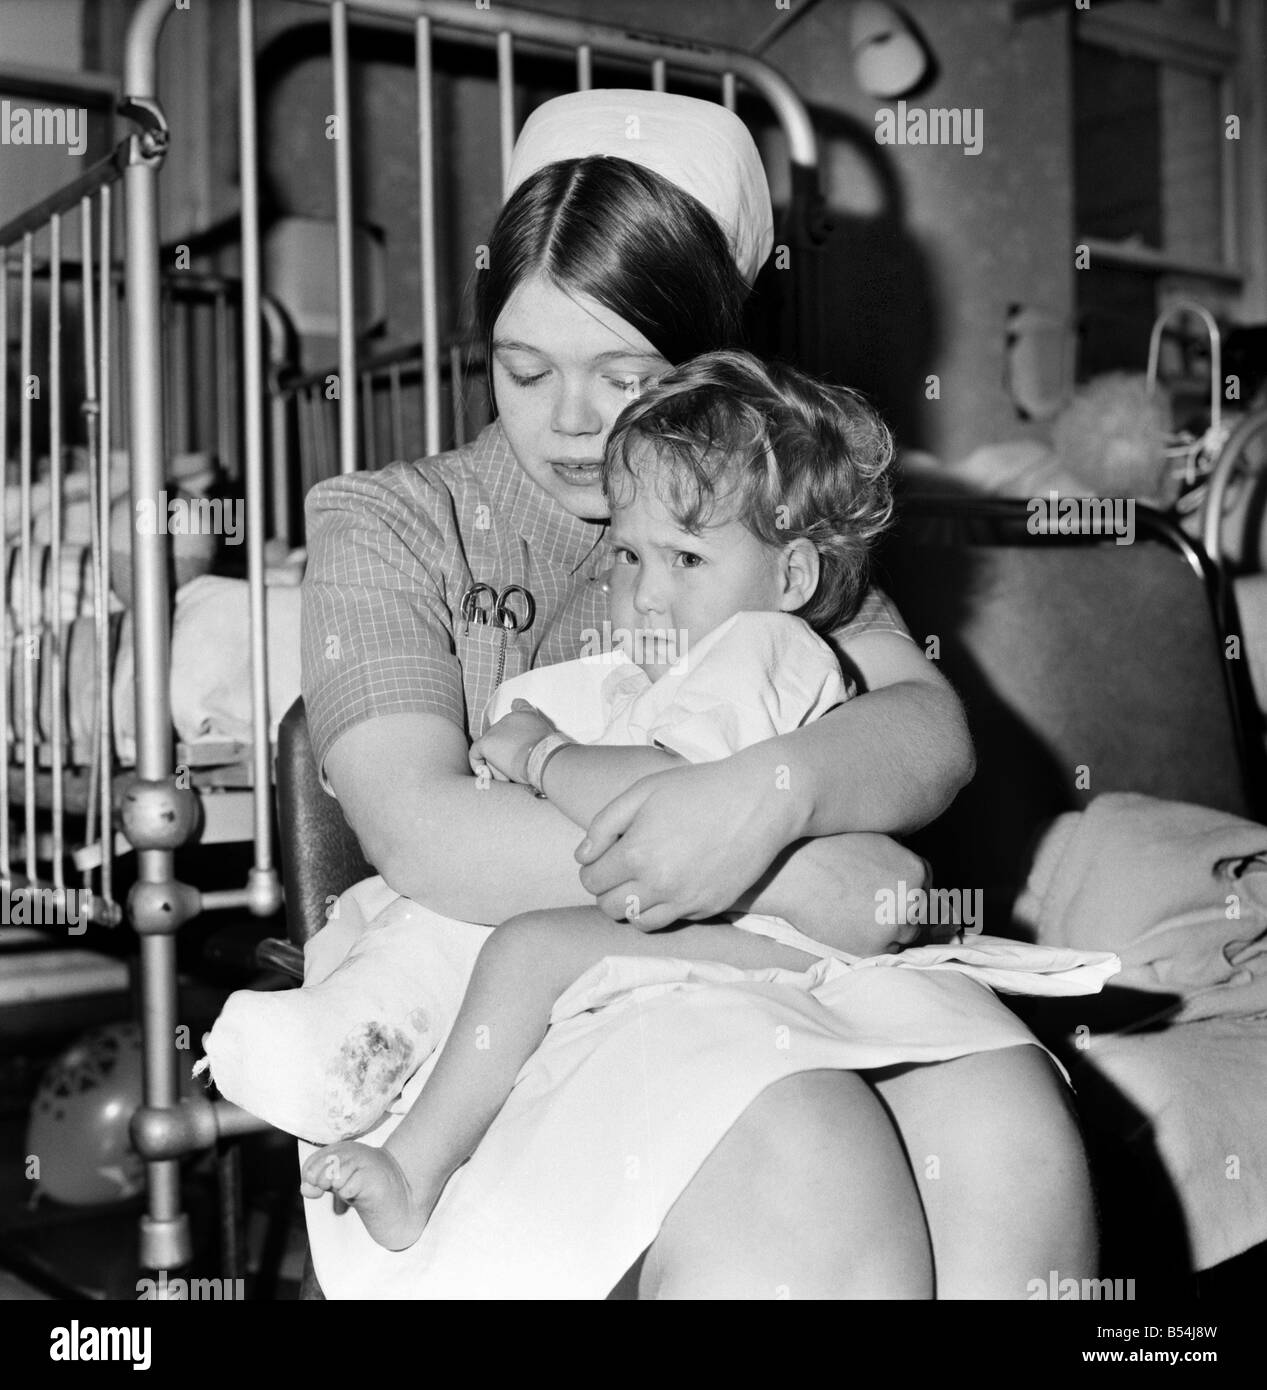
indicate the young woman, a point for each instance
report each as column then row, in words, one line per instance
column 634, row 220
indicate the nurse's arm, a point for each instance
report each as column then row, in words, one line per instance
column 890, row 761
column 476, row 850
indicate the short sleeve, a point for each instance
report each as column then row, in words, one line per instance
column 755, row 677
column 876, row 613
column 376, row 632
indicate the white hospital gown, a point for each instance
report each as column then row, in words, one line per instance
column 649, row 1060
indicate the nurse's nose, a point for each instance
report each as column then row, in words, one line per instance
column 575, row 411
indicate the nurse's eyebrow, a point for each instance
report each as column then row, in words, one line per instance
column 513, row 345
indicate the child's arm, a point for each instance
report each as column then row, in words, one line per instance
column 580, row 779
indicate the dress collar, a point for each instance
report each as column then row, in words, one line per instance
column 550, row 531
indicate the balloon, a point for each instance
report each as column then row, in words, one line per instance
column 79, row 1119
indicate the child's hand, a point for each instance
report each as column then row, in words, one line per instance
column 505, row 747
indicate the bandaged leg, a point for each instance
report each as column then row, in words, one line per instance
column 325, row 1061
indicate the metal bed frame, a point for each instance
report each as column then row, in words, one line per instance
column 158, row 813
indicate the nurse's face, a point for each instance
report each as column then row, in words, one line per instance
column 563, row 369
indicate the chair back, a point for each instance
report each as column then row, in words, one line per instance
column 321, row 857
column 1085, row 667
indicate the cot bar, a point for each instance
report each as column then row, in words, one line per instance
column 584, row 67
column 157, row 904
column 1192, row 306
column 618, row 45
column 102, row 597
column 106, row 171
column 55, row 535
column 197, row 1123
column 279, row 453
column 427, row 240
column 659, row 75
column 223, row 368
column 90, row 409
column 264, row 872
column 29, row 652
column 343, row 222
column 506, row 97
column 6, row 650
column 456, row 396
column 397, row 416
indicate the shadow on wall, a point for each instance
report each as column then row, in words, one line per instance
column 871, row 292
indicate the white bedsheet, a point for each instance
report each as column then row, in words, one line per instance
column 210, row 683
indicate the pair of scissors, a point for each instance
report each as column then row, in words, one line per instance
column 482, row 604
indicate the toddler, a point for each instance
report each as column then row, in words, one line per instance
column 744, row 500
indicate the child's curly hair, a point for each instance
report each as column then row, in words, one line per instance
column 786, row 455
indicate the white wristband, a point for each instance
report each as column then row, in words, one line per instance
column 539, row 754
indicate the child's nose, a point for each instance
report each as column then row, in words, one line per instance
column 648, row 593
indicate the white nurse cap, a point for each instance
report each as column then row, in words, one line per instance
column 700, row 146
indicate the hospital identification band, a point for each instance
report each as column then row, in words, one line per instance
column 540, row 753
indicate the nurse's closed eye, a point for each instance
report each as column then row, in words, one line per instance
column 525, row 380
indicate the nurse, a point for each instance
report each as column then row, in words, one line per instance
column 635, row 222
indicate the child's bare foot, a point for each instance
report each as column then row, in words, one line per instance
column 375, row 1186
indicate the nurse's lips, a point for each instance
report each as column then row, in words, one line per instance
column 578, row 472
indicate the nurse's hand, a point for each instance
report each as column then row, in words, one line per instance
column 683, row 844
column 691, row 842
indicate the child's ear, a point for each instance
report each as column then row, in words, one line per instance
column 799, row 574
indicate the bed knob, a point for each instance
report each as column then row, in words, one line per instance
column 263, row 892
column 157, row 909
column 159, row 814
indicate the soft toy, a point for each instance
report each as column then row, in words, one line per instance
column 1114, row 436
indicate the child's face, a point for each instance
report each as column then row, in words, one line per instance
column 670, row 588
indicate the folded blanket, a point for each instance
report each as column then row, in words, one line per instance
column 1179, row 892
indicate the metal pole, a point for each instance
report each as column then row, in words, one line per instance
column 263, row 877
column 55, row 539
column 427, row 242
column 343, row 221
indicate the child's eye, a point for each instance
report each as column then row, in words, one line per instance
column 624, row 556
column 688, row 559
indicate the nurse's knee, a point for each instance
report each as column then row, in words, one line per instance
column 803, row 1121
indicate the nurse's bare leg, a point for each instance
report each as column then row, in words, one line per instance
column 1001, row 1169
column 808, row 1196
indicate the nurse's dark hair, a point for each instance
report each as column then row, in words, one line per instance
column 728, row 437
column 626, row 237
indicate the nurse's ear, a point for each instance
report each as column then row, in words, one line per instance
column 798, row 574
